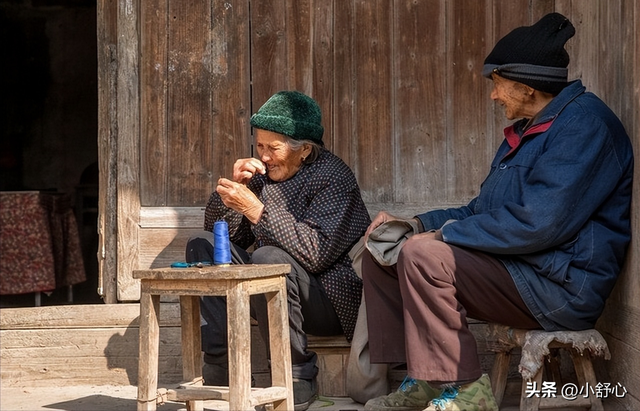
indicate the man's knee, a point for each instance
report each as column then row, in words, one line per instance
column 418, row 244
column 426, row 251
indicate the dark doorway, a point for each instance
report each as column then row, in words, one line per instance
column 49, row 120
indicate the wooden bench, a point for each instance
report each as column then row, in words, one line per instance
column 333, row 357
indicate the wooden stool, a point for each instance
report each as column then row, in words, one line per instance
column 236, row 283
column 536, row 345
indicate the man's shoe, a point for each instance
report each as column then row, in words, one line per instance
column 305, row 393
column 412, row 395
column 475, row 396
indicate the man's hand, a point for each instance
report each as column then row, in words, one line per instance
column 239, row 198
column 381, row 218
column 245, row 168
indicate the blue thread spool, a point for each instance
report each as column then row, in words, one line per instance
column 221, row 246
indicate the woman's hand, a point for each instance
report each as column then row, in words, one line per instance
column 245, row 168
column 239, row 198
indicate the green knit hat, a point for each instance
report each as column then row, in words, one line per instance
column 293, row 114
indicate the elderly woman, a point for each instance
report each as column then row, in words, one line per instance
column 298, row 204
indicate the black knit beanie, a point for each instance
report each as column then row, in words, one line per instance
column 534, row 55
column 293, row 114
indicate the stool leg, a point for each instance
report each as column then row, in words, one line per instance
column 586, row 376
column 191, row 346
column 239, row 343
column 499, row 374
column 149, row 340
column 552, row 366
column 280, row 346
column 531, row 403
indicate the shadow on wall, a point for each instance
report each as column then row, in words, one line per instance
column 122, row 353
column 175, row 250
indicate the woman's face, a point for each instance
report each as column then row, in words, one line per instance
column 281, row 160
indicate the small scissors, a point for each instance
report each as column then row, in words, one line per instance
column 182, row 264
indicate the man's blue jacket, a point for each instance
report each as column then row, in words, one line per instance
column 554, row 209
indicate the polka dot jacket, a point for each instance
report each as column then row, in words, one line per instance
column 316, row 216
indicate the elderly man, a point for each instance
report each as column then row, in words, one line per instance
column 540, row 247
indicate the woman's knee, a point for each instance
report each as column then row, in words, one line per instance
column 270, row 255
column 199, row 249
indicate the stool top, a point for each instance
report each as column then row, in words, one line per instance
column 215, row 272
column 536, row 344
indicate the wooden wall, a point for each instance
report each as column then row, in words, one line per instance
column 63, row 346
column 403, row 104
column 606, row 56
column 398, row 83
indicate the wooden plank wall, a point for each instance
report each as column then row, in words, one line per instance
column 82, row 345
column 606, row 56
column 98, row 345
column 195, row 97
column 403, row 102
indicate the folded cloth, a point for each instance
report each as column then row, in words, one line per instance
column 364, row 380
column 384, row 243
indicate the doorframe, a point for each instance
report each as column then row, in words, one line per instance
column 118, row 148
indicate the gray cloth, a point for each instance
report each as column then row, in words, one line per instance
column 364, row 380
column 385, row 242
column 536, row 347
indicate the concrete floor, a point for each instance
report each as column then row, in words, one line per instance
column 110, row 398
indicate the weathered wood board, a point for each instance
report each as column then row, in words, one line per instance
column 98, row 344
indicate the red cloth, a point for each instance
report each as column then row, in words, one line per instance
column 39, row 243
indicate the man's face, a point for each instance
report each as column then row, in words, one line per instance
column 513, row 96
